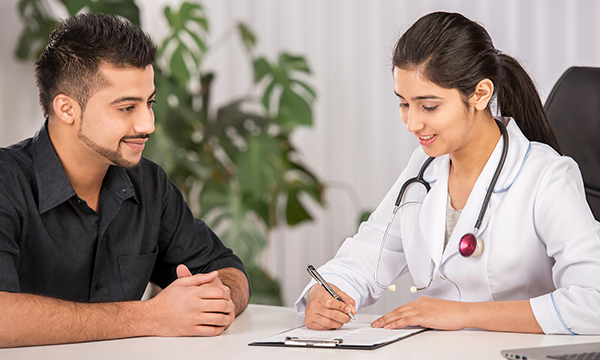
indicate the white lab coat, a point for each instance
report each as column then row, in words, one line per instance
column 541, row 241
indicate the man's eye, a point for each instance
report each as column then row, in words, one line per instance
column 128, row 109
column 151, row 103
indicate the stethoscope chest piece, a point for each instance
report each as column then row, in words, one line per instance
column 469, row 246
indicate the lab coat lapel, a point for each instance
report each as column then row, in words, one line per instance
column 517, row 152
column 433, row 212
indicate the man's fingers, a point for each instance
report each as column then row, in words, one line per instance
column 216, row 306
column 198, row 279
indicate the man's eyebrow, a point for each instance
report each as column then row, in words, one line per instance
column 422, row 97
column 132, row 98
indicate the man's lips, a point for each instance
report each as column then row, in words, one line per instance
column 136, row 144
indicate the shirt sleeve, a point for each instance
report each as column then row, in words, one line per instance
column 9, row 250
column 572, row 237
column 187, row 240
column 352, row 268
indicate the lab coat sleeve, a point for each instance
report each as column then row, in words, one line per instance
column 351, row 269
column 572, row 237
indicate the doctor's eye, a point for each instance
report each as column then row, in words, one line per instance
column 403, row 105
column 430, row 109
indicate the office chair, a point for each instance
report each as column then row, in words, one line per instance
column 573, row 109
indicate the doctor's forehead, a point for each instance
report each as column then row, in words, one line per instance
column 412, row 85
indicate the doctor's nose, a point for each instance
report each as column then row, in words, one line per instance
column 413, row 123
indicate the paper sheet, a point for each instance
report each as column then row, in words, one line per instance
column 353, row 334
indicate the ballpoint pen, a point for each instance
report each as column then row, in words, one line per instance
column 318, row 278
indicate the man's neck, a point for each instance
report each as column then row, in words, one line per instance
column 85, row 175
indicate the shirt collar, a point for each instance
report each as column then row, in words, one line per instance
column 54, row 185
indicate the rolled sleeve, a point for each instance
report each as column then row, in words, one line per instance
column 572, row 238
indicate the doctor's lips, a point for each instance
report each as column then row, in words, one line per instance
column 426, row 139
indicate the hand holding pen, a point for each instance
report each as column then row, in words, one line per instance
column 326, row 308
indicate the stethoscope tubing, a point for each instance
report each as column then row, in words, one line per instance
column 419, row 179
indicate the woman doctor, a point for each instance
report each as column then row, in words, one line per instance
column 539, row 264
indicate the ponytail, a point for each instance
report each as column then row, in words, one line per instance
column 519, row 99
column 454, row 52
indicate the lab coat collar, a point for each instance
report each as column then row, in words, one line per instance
column 433, row 212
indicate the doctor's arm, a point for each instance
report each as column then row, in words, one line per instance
column 509, row 316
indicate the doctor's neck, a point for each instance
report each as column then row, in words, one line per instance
column 469, row 160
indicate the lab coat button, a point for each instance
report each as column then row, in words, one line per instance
column 442, row 277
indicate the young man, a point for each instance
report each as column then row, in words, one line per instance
column 86, row 222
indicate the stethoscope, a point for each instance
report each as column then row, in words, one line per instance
column 469, row 244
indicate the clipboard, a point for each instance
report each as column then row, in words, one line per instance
column 356, row 336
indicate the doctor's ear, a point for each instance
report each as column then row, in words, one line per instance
column 482, row 95
column 65, row 108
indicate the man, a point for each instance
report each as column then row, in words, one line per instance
column 86, row 222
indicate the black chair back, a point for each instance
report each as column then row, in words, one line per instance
column 573, row 109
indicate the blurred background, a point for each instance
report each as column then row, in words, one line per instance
column 348, row 145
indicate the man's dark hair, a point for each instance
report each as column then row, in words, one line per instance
column 69, row 64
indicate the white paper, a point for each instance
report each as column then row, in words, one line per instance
column 352, row 334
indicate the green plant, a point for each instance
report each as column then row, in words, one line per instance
column 236, row 167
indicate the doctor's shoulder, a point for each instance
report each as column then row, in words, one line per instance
column 542, row 158
column 546, row 171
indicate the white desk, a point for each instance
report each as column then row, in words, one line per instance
column 259, row 322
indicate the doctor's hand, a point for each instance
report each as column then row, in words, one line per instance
column 193, row 305
column 323, row 312
column 427, row 312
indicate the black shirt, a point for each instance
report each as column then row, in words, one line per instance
column 53, row 244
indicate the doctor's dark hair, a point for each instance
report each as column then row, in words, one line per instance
column 70, row 63
column 454, row 52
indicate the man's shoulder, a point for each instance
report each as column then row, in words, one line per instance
column 15, row 157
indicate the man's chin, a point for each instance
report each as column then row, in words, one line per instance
column 126, row 164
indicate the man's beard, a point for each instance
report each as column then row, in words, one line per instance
column 114, row 156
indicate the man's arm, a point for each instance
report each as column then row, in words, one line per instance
column 237, row 283
column 184, row 308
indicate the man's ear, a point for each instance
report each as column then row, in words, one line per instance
column 482, row 95
column 65, row 108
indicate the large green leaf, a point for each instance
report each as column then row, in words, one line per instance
column 294, row 110
column 181, row 26
column 295, row 212
column 292, row 106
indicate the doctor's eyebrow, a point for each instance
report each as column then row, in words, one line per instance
column 422, row 97
column 133, row 98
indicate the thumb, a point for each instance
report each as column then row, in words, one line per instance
column 183, row 271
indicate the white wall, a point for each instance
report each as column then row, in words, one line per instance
column 358, row 140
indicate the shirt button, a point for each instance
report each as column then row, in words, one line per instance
column 98, row 286
column 80, row 202
column 125, row 192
